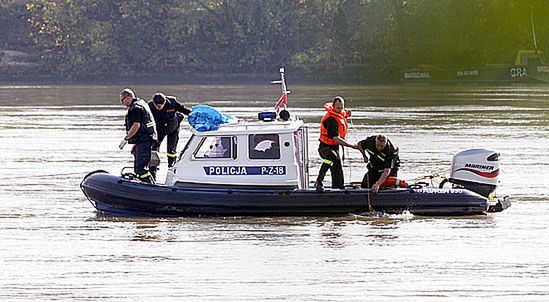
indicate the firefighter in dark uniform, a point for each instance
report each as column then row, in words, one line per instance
column 333, row 129
column 383, row 162
column 140, row 131
column 168, row 114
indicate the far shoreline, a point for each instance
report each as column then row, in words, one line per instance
column 292, row 75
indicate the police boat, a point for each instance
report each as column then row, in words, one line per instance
column 261, row 168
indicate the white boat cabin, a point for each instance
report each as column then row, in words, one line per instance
column 259, row 154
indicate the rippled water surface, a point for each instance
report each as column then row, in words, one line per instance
column 55, row 247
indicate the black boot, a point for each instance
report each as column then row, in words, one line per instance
column 147, row 178
column 171, row 161
column 319, row 187
column 153, row 171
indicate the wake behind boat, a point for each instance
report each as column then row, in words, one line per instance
column 261, row 168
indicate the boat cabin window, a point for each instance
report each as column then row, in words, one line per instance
column 186, row 147
column 216, row 147
column 264, row 146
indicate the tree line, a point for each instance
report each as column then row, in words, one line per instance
column 365, row 40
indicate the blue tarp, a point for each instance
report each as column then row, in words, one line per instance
column 206, row 118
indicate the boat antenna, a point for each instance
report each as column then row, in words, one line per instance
column 283, row 100
column 533, row 28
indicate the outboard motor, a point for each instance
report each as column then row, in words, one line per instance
column 476, row 170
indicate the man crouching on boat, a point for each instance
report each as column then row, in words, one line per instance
column 333, row 129
column 382, row 165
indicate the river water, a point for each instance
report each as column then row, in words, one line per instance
column 55, row 247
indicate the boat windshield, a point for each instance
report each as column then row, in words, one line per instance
column 216, row 147
column 187, row 145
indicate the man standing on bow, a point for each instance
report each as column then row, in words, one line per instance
column 168, row 114
column 333, row 129
column 140, row 131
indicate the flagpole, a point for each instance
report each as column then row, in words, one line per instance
column 282, row 101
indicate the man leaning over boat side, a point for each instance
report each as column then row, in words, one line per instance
column 333, row 129
column 140, row 131
column 383, row 163
column 168, row 114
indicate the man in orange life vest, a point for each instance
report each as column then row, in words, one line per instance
column 382, row 165
column 333, row 129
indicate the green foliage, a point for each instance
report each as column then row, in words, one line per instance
column 79, row 38
column 471, row 32
column 14, row 27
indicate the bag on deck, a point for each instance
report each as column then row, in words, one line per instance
column 205, row 118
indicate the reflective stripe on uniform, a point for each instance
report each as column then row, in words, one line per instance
column 144, row 175
column 381, row 157
column 172, row 154
column 329, row 162
column 150, row 124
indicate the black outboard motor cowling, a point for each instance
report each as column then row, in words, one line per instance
column 476, row 170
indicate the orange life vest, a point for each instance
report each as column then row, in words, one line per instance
column 342, row 128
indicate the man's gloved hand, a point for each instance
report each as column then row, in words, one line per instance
column 348, row 113
column 123, row 143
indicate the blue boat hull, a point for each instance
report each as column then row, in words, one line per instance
column 118, row 195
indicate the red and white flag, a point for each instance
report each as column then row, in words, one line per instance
column 283, row 100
